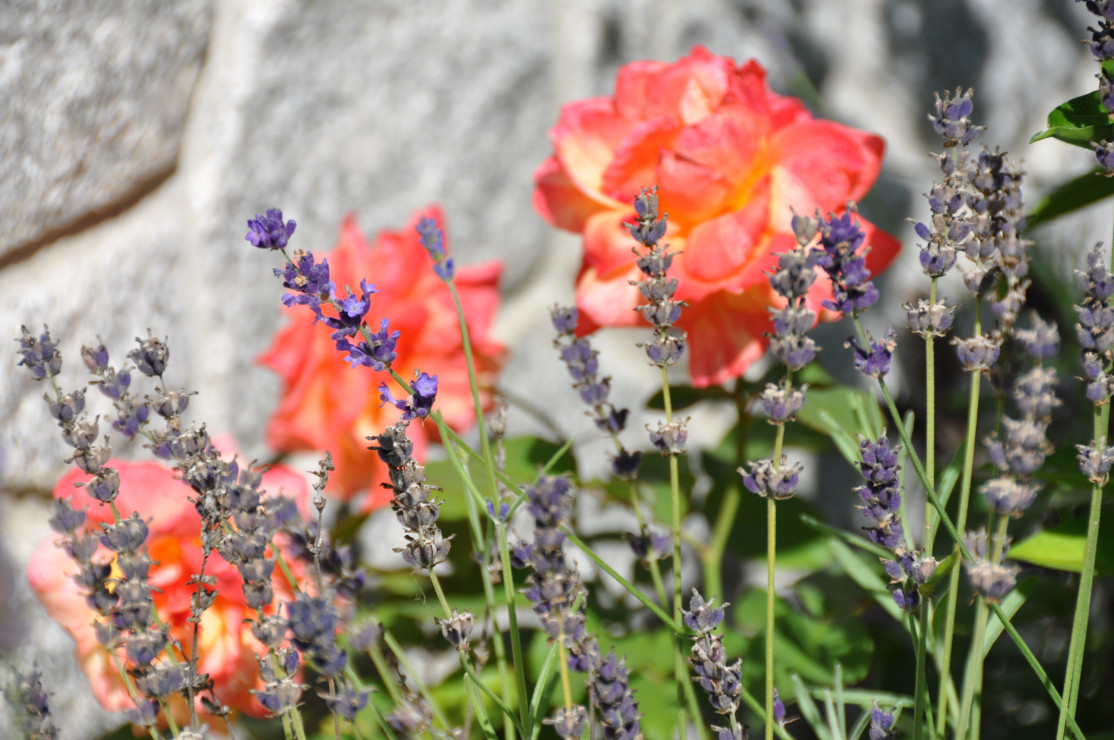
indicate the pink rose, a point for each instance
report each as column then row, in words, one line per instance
column 328, row 405
column 227, row 649
column 731, row 159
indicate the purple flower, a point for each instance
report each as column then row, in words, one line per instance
column 419, row 403
column 40, row 356
column 378, row 354
column 433, row 239
column 767, row 481
column 874, row 360
column 952, row 120
column 269, row 232
column 881, row 724
column 310, row 282
column 350, row 313
column 840, row 239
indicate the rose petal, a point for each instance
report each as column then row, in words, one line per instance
column 726, row 334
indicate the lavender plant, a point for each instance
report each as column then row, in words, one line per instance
column 553, row 652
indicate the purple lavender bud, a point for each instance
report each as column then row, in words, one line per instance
column 929, row 319
column 68, row 408
column 91, row 460
column 269, row 231
column 1041, row 341
column 1023, row 446
column 313, row 623
column 40, row 355
column 907, row 597
column 127, row 536
column 425, row 553
column 310, row 282
column 779, row 710
column 1104, row 154
column 1102, row 41
column 1095, row 461
column 163, row 681
column 1035, row 392
column 115, row 384
column 701, row 617
column 350, row 313
column 665, row 350
column 937, row 260
column 991, row 581
column 795, row 274
column 151, row 356
column 420, row 402
column 66, row 519
column 1007, row 495
column 131, row 419
column 881, row 724
column 648, row 229
column 669, row 438
column 625, row 465
column 875, row 359
column 550, row 501
column 95, row 358
column 433, row 239
column 764, row 480
column 977, row 354
column 457, row 629
column 569, row 723
column 781, row 405
column 564, row 319
column 1106, row 90
column 347, row 702
column 952, row 123
column 377, row 355
column 81, row 435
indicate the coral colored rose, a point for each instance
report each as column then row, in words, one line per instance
column 226, row 647
column 328, row 405
column 730, row 159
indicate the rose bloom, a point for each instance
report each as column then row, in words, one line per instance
column 328, row 405
column 731, row 161
column 226, row 647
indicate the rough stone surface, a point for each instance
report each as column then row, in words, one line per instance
column 381, row 108
column 95, row 97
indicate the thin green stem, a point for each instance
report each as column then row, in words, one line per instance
column 961, row 523
column 1076, row 646
column 930, row 415
column 652, row 561
column 517, row 655
column 771, row 551
column 483, row 545
column 390, row 680
column 679, row 670
column 920, row 688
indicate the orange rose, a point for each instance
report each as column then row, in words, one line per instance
column 730, row 159
column 327, row 405
column 226, row 648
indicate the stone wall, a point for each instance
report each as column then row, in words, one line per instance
column 136, row 138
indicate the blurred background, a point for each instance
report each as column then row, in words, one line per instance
column 137, row 138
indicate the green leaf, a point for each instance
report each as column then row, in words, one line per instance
column 1061, row 547
column 1072, row 195
column 809, row 644
column 1078, row 122
column 838, row 412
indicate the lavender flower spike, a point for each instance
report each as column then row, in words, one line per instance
column 433, row 239
column 269, row 231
